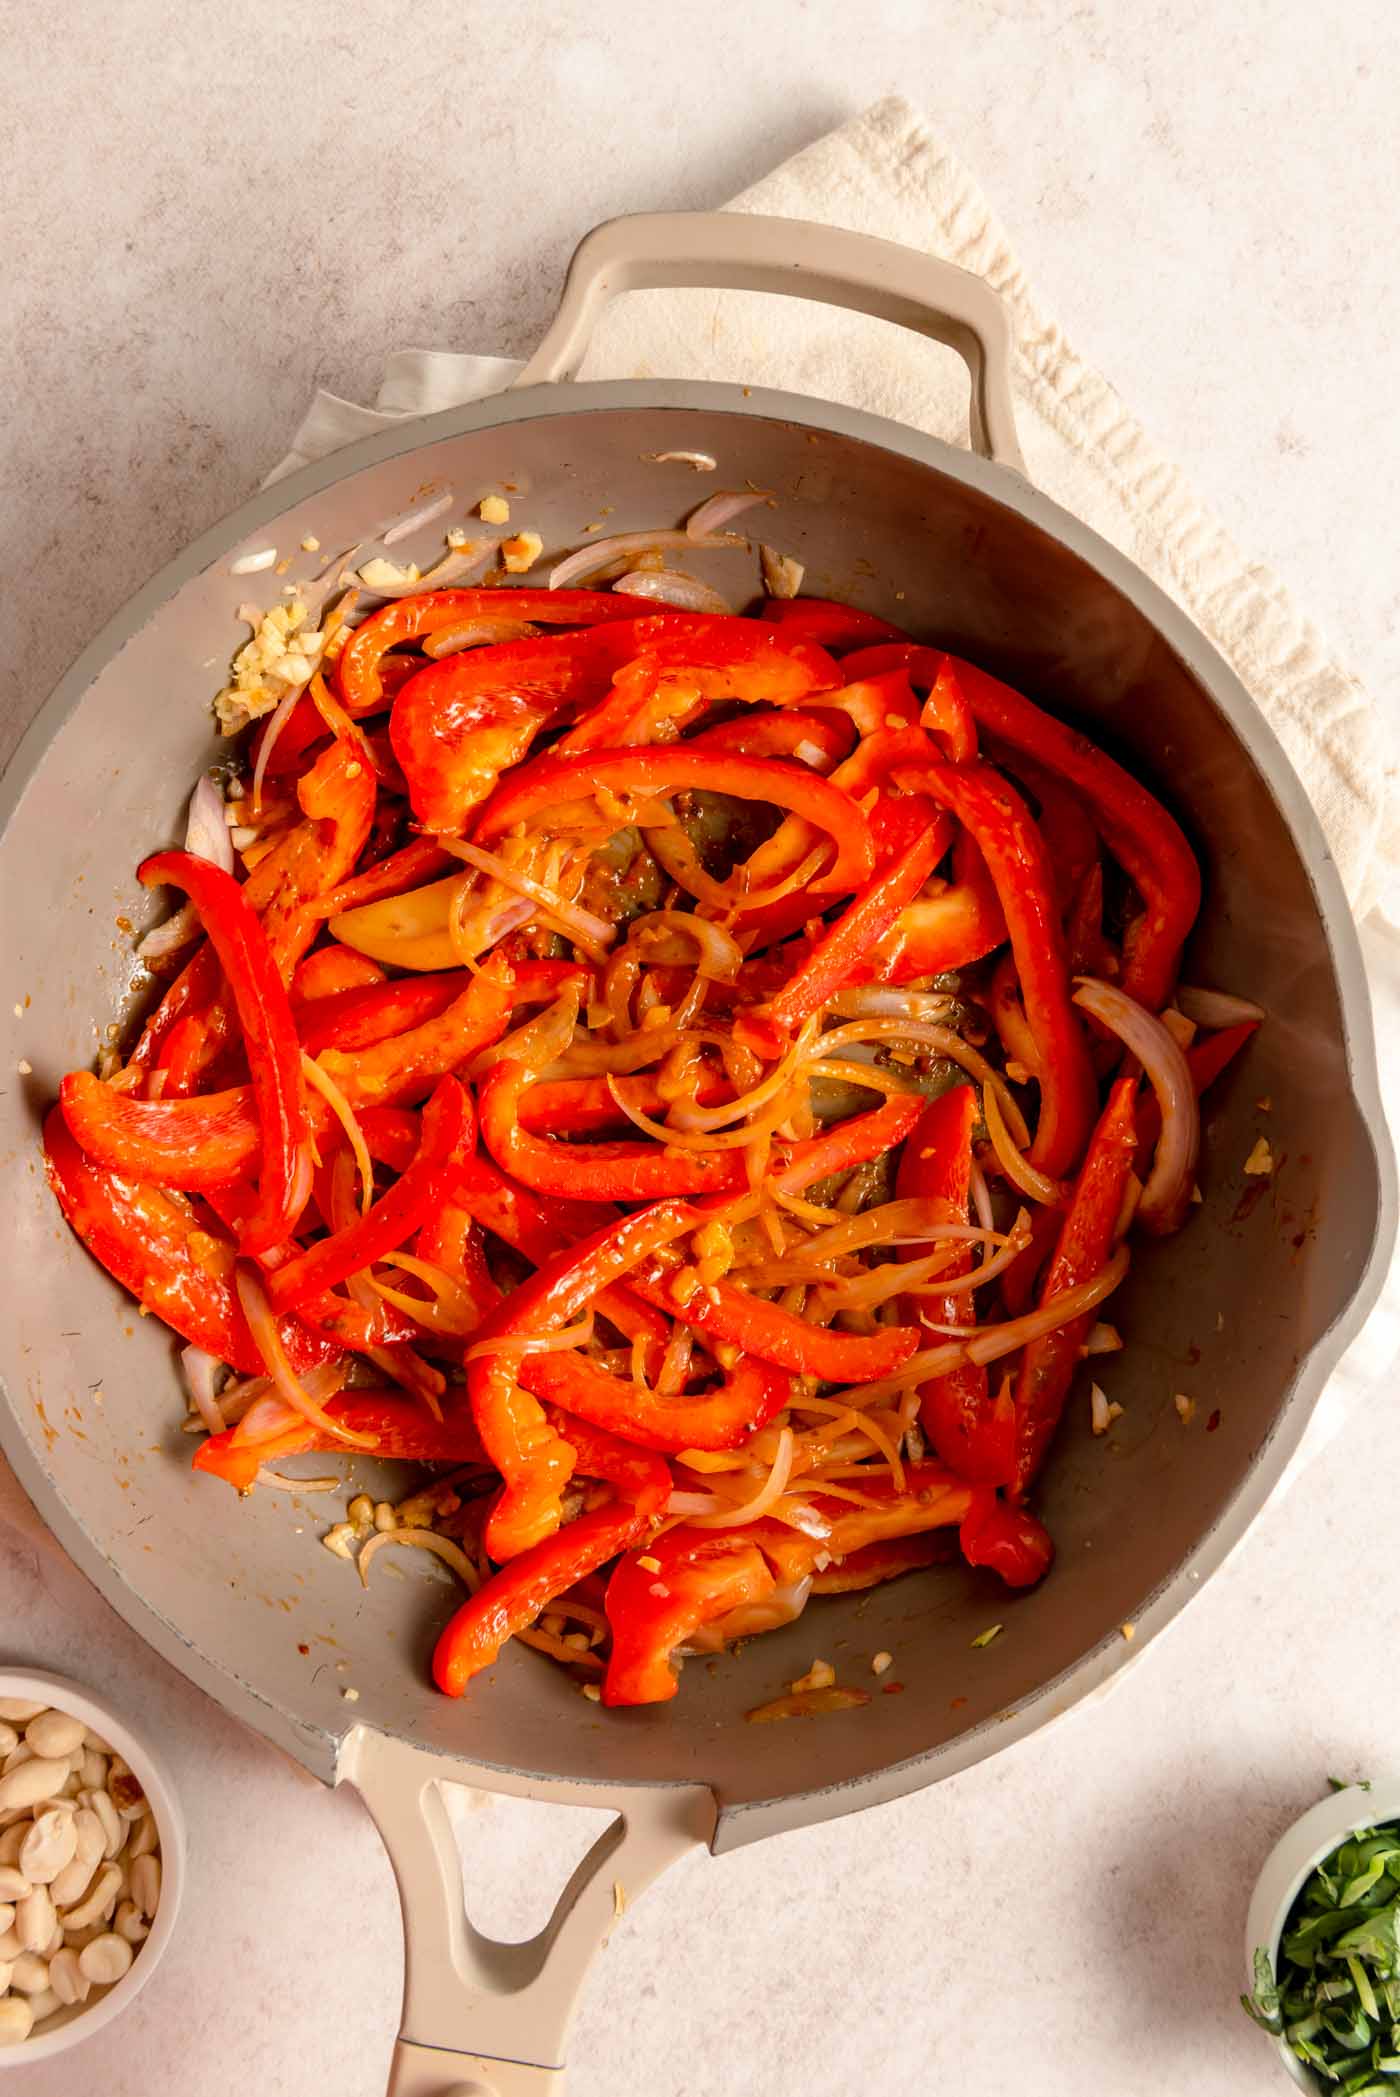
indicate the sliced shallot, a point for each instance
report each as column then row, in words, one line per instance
column 1167, row 1194
column 669, row 586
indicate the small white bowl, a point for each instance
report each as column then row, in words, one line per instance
column 80, row 2020
column 1323, row 1828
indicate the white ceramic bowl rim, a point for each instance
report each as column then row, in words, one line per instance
column 1297, row 1853
column 83, row 1703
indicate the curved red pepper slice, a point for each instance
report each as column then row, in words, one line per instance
column 269, row 1037
column 400, row 1429
column 204, row 1143
column 670, row 683
column 1147, row 842
column 1006, row 835
column 359, row 671
column 1085, row 1243
column 159, row 1247
column 411, row 867
column 332, row 971
column 829, row 624
column 1007, row 1540
column 874, row 1563
column 935, row 933
column 535, row 1463
column 417, row 1194
column 752, row 1394
column 970, row 1431
column 728, row 1313
column 379, row 1011
column 946, row 712
column 516, row 1595
column 818, row 738
column 841, row 953
column 690, row 1578
column 460, row 723
column 662, row 769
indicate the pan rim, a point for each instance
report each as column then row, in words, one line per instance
column 318, row 1747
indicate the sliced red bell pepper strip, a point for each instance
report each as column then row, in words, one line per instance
column 670, row 683
column 931, row 1498
column 829, row 624
column 547, row 781
column 702, row 1575
column 534, row 1462
column 517, row 1216
column 970, row 1430
column 189, row 1143
column 1085, row 1244
column 840, row 955
column 361, row 1018
column 947, row 930
column 162, row 1250
column 332, row 971
column 1206, row 1058
column 405, row 1068
column 726, row 1312
column 399, row 1427
column 460, row 723
column 355, row 1018
column 1146, row 841
column 180, row 1060
column 819, row 738
column 1007, row 1540
column 415, row 864
column 513, row 1597
column 1089, row 951
column 418, row 1193
column 1064, row 822
column 361, row 666
column 874, row 1563
column 1017, row 1280
column 337, row 798
column 946, row 712
column 1006, row 834
column 752, row 1393
column 646, row 1171
column 269, row 1037
column 586, row 1106
column 519, row 1592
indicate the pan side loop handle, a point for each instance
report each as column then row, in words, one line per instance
column 740, row 251
column 481, row 2018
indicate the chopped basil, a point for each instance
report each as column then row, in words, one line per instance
column 1335, row 2000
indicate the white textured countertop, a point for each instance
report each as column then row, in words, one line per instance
column 201, row 224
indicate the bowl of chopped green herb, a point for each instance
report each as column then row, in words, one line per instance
column 1322, row 1943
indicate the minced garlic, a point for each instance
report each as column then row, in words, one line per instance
column 493, row 509
column 1260, row 1162
column 521, row 553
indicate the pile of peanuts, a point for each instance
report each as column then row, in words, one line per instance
column 79, row 1864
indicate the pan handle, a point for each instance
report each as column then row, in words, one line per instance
column 480, row 2018
column 739, row 251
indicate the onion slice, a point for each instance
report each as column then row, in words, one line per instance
column 588, row 560
column 477, row 633
column 1018, row 1169
column 414, row 519
column 1215, row 1008
column 345, row 1114
column 594, row 934
column 523, row 1343
column 670, row 586
column 717, row 510
column 200, row 1369
column 1167, row 1194
column 206, row 825
column 268, row 1341
column 442, row 1547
